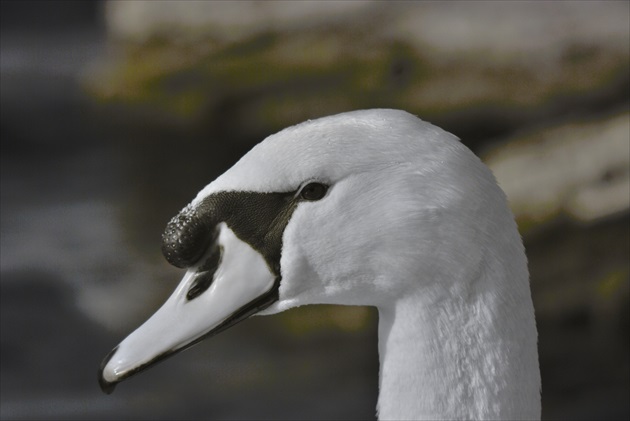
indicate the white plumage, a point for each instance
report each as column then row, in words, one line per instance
column 412, row 223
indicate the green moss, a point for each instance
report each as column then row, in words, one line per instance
column 275, row 74
column 612, row 283
column 174, row 79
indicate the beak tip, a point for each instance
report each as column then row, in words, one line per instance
column 106, row 386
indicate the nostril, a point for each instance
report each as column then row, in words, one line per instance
column 186, row 238
column 201, row 283
column 205, row 277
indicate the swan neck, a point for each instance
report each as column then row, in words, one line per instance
column 470, row 357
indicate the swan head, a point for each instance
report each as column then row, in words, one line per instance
column 359, row 208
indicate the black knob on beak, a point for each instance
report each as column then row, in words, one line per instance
column 186, row 238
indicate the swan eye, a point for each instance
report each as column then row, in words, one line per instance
column 313, row 191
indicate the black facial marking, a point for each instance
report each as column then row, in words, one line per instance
column 258, row 219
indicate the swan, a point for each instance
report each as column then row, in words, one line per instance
column 374, row 208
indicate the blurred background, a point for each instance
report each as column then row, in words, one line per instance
column 114, row 114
